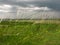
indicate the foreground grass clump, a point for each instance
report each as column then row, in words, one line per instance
column 29, row 33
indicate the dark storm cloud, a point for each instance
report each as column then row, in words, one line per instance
column 54, row 4
column 49, row 4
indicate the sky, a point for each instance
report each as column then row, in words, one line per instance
column 35, row 8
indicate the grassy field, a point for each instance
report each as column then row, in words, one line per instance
column 29, row 33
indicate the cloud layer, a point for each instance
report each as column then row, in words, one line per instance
column 54, row 4
column 51, row 7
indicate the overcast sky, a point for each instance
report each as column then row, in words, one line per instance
column 7, row 6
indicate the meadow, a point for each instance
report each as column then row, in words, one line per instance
column 29, row 33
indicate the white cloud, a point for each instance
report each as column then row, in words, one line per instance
column 35, row 8
column 5, row 8
column 3, row 11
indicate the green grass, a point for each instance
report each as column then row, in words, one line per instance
column 29, row 33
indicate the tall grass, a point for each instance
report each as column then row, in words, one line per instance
column 29, row 33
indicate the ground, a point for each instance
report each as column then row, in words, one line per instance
column 30, row 32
